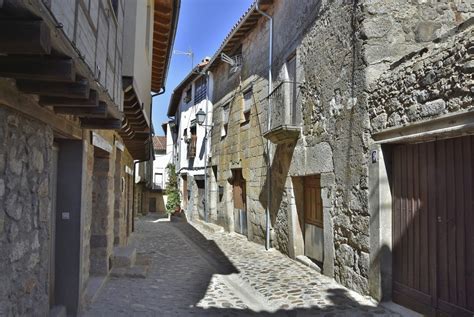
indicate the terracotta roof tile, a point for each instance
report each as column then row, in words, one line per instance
column 159, row 143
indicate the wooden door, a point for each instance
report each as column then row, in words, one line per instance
column 185, row 192
column 240, row 202
column 152, row 204
column 433, row 245
column 313, row 209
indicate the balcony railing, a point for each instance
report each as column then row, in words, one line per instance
column 284, row 116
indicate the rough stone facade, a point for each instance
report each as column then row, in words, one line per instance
column 25, row 159
column 435, row 81
column 342, row 47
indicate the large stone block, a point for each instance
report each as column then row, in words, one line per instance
column 319, row 159
column 433, row 108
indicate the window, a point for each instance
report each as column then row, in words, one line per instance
column 291, row 69
column 247, row 105
column 115, row 7
column 158, row 180
column 225, row 119
column 188, row 95
column 192, row 144
column 200, row 90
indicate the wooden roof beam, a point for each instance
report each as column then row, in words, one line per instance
column 24, row 37
column 101, row 124
column 92, row 101
column 89, row 112
column 37, row 68
column 78, row 89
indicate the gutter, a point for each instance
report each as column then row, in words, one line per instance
column 269, row 110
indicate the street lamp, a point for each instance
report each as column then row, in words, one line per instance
column 200, row 117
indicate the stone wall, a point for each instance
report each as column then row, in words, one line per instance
column 342, row 47
column 102, row 226
column 242, row 148
column 25, row 166
column 393, row 29
column 436, row 80
column 87, row 217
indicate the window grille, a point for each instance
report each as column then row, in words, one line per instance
column 200, row 89
column 188, row 95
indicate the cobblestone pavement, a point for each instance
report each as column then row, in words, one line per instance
column 194, row 272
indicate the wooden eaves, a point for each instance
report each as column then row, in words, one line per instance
column 136, row 126
column 44, row 62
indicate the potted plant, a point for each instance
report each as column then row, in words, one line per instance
column 173, row 204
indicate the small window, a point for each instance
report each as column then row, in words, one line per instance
column 247, row 105
column 225, row 119
column 188, row 95
column 192, row 145
column 200, row 90
column 292, row 88
column 158, row 181
column 115, row 6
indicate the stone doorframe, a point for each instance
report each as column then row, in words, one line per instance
column 380, row 230
column 295, row 235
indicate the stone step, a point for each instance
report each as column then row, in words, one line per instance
column 308, row 262
column 58, row 311
column 137, row 271
column 124, row 257
column 94, row 285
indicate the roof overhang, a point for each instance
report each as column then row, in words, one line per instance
column 165, row 24
column 246, row 23
column 135, row 131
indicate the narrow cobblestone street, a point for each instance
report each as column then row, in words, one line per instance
column 199, row 273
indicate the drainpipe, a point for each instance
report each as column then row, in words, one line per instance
column 163, row 90
column 270, row 82
column 206, row 137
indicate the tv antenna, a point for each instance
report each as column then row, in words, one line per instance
column 233, row 62
column 187, row 53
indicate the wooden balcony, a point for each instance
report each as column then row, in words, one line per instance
column 284, row 117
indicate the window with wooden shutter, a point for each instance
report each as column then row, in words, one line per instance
column 192, row 143
column 225, row 119
column 247, row 105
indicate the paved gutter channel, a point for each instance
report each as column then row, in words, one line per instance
column 247, row 294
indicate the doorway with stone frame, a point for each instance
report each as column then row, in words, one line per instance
column 308, row 227
column 102, row 225
column 239, row 197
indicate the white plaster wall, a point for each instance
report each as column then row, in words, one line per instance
column 137, row 62
column 186, row 114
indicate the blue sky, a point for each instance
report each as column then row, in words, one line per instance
column 202, row 26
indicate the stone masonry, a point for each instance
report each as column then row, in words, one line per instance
column 342, row 48
column 436, row 80
column 102, row 232
column 25, row 160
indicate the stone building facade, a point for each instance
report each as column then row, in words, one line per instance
column 326, row 118
column 69, row 131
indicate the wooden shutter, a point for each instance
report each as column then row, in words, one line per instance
column 313, row 209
